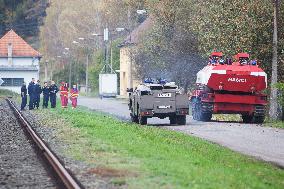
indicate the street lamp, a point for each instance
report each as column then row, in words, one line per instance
column 70, row 65
column 141, row 11
column 87, row 65
column 96, row 34
column 119, row 29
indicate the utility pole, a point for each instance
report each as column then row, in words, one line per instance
column 45, row 70
column 106, row 38
column 111, row 62
column 70, row 73
column 273, row 109
column 67, row 54
column 130, row 52
column 87, row 75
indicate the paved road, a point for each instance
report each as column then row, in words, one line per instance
column 261, row 142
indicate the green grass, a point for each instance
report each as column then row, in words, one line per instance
column 227, row 117
column 276, row 124
column 5, row 93
column 148, row 157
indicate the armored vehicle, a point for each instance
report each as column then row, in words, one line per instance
column 230, row 88
column 158, row 100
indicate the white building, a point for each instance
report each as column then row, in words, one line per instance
column 19, row 62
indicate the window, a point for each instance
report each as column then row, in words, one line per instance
column 7, row 82
column 12, row 81
column 18, row 81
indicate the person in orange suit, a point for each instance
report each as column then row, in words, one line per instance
column 74, row 93
column 64, row 94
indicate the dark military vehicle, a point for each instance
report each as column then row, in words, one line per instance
column 158, row 100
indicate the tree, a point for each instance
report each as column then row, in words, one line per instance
column 273, row 110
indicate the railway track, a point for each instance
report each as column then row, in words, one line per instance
column 51, row 160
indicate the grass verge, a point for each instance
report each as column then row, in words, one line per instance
column 276, row 124
column 148, row 157
column 5, row 93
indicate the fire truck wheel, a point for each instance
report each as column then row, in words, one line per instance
column 206, row 116
column 199, row 114
column 181, row 120
column 196, row 111
column 247, row 118
column 259, row 119
column 173, row 120
column 142, row 120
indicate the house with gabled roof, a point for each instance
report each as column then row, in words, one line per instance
column 127, row 72
column 19, row 62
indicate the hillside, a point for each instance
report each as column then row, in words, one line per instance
column 24, row 16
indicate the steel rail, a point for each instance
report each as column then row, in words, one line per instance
column 64, row 175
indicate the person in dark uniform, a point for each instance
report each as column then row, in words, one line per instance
column 45, row 92
column 52, row 93
column 24, row 96
column 31, row 92
column 38, row 91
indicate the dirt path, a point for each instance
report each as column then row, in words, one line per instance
column 255, row 140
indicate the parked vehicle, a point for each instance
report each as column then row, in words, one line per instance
column 108, row 85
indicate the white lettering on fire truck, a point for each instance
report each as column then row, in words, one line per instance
column 237, row 80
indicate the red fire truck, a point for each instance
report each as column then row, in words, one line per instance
column 226, row 87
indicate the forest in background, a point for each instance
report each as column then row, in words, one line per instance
column 23, row 16
column 183, row 34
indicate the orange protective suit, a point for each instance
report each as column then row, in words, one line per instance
column 64, row 95
column 74, row 93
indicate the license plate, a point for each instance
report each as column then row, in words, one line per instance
column 164, row 107
column 165, row 95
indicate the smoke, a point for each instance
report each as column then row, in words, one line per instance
column 177, row 68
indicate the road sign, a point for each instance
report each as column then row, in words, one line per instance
column 1, row 81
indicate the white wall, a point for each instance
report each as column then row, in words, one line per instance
column 27, row 75
column 20, row 61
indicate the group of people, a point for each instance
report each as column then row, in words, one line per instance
column 49, row 91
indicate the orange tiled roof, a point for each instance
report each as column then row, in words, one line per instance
column 20, row 47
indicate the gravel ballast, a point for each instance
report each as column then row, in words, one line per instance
column 20, row 166
column 49, row 132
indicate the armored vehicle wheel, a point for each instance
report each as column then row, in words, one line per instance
column 142, row 120
column 173, row 120
column 134, row 119
column 181, row 120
